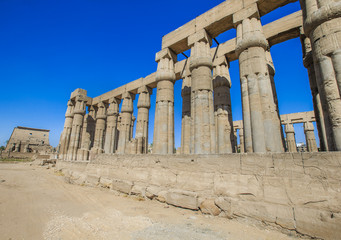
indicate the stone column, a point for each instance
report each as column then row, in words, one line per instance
column 142, row 123
column 65, row 137
column 126, row 120
column 110, row 143
column 222, row 106
column 262, row 129
column 321, row 19
column 241, row 140
column 101, row 116
column 131, row 133
column 83, row 152
column 77, row 125
column 186, row 116
column 164, row 110
column 309, row 65
column 290, row 137
column 202, row 93
column 310, row 137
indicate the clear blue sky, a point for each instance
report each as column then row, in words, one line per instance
column 48, row 48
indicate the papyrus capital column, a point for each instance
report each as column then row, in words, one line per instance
column 202, row 111
column 262, row 129
column 186, row 116
column 290, row 137
column 164, row 111
column 321, row 20
column 110, row 144
column 222, row 106
column 65, row 137
column 142, row 123
column 310, row 137
column 101, row 116
column 77, row 124
column 126, row 122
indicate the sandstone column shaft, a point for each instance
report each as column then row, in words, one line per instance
column 65, row 137
column 222, row 107
column 77, row 124
column 290, row 137
column 110, row 143
column 241, row 139
column 126, row 120
column 100, row 128
column 164, row 111
column 202, row 93
column 321, row 20
column 310, row 137
column 186, row 116
column 142, row 123
column 260, row 118
column 309, row 64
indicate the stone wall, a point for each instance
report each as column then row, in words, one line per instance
column 295, row 191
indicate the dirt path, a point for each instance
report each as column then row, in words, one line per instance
column 36, row 203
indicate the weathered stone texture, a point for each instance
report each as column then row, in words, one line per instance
column 293, row 190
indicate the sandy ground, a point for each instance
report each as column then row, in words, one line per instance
column 36, row 203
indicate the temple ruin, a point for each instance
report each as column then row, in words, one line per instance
column 263, row 182
column 29, row 140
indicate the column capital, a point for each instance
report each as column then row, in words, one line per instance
column 69, row 111
column 101, row 111
column 308, row 126
column 144, row 98
column 200, row 36
column 80, row 105
column 127, row 105
column 186, row 86
column 323, row 14
column 113, row 106
column 289, row 128
column 165, row 68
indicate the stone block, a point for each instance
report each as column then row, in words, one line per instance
column 77, row 177
column 138, row 189
column 257, row 164
column 152, row 191
column 208, row 207
column 162, row 196
column 184, row 199
column 274, row 190
column 288, row 165
column 318, row 223
column 92, row 180
column 123, row 186
column 272, row 213
column 162, row 177
column 105, row 182
column 246, row 12
column 195, row 181
column 235, row 185
column 224, row 203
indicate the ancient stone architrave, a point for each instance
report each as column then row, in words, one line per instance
column 262, row 131
column 310, row 137
column 322, row 25
column 290, row 138
column 186, row 116
column 222, row 106
column 126, row 121
column 202, row 111
column 110, row 143
column 77, row 124
column 309, row 64
column 65, row 137
column 164, row 111
column 142, row 123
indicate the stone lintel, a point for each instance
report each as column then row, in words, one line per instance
column 248, row 12
column 221, row 61
column 165, row 53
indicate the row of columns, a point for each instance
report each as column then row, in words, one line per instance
column 206, row 118
column 309, row 136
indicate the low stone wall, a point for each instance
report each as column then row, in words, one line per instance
column 300, row 191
